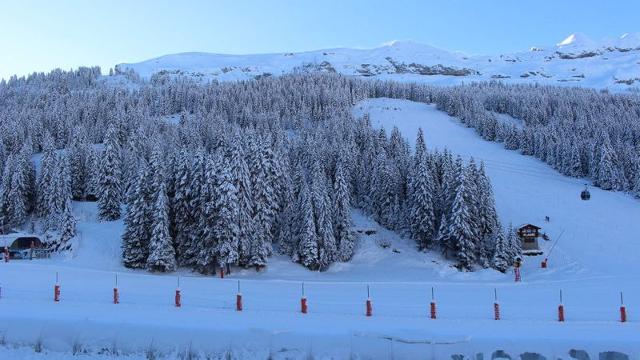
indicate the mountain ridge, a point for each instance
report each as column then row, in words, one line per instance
column 575, row 61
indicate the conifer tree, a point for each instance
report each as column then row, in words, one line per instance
column 161, row 253
column 45, row 179
column 308, row 252
column 264, row 202
column 67, row 228
column 137, row 233
column 422, row 214
column 514, row 249
column 501, row 257
column 226, row 228
column 110, row 178
column 190, row 248
column 241, row 179
column 205, row 247
column 460, row 228
column 342, row 214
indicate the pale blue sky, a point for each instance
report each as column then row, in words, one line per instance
column 40, row 35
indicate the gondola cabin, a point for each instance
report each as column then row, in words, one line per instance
column 529, row 234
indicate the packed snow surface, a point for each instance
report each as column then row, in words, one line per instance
column 575, row 61
column 594, row 259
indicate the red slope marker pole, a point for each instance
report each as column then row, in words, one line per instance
column 221, row 272
column 6, row 254
column 116, row 295
column 303, row 302
column 623, row 309
column 433, row 305
column 239, row 299
column 56, row 290
column 561, row 309
column 496, row 305
column 178, row 297
column 369, row 311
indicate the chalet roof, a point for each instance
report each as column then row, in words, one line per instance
column 522, row 226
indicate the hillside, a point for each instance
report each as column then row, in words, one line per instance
column 575, row 61
column 593, row 261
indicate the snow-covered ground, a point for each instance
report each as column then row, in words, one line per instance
column 594, row 260
column 575, row 61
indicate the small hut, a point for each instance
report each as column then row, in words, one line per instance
column 27, row 247
column 26, row 242
column 529, row 234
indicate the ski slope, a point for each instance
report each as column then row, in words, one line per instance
column 593, row 261
column 598, row 236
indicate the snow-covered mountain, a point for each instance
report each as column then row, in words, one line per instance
column 575, row 61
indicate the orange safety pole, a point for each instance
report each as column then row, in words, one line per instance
column 561, row 309
column 56, row 290
column 116, row 295
column 239, row 299
column 303, row 302
column 369, row 306
column 433, row 305
column 496, row 305
column 623, row 309
column 178, row 297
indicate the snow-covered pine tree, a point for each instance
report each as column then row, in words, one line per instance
column 183, row 221
column 162, row 256
column 502, row 258
column 460, row 228
column 290, row 236
column 78, row 156
column 110, row 178
column 241, row 178
column 67, row 228
column 608, row 175
column 327, row 247
column 308, row 251
column 487, row 218
column 264, row 201
column 93, row 174
column 422, row 215
column 199, row 189
column 514, row 247
column 135, row 240
column 225, row 228
column 27, row 167
column 5, row 188
column 205, row 247
column 342, row 214
column 18, row 206
column 45, row 183
column 60, row 191
column 421, row 148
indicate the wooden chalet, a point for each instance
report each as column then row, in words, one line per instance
column 529, row 234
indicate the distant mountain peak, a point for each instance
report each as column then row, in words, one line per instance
column 576, row 40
